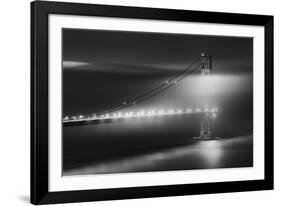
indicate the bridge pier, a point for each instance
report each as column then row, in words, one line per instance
column 206, row 120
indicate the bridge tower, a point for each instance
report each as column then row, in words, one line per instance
column 206, row 67
column 205, row 126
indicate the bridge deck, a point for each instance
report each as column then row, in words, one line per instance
column 109, row 119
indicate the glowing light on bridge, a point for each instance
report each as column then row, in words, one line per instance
column 171, row 111
column 142, row 113
column 189, row 110
column 160, row 112
column 214, row 110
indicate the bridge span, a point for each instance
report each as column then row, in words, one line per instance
column 166, row 99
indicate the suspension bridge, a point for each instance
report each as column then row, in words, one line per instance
column 166, row 99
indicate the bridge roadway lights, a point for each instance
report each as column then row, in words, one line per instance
column 212, row 112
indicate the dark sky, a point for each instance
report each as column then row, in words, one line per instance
column 102, row 68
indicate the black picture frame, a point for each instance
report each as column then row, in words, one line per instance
column 39, row 102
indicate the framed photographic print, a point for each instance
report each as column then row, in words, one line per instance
column 131, row 102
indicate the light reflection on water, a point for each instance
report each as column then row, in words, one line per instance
column 212, row 152
column 207, row 153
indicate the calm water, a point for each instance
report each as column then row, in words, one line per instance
column 157, row 144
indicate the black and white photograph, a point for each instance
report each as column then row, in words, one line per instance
column 153, row 102
column 130, row 102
